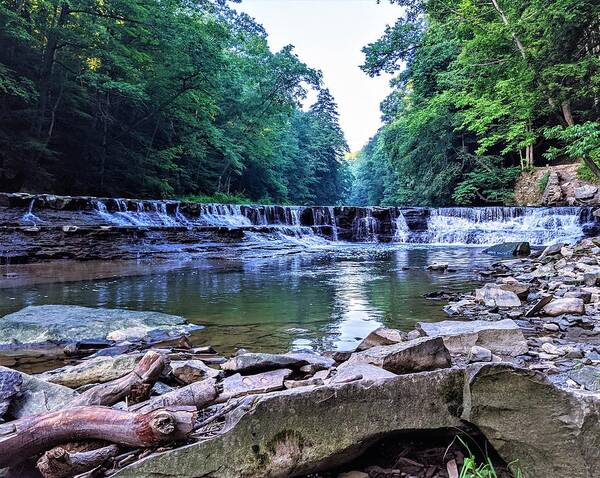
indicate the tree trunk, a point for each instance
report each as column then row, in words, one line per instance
column 197, row 394
column 61, row 463
column 29, row 436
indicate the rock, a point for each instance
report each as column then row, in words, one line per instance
column 509, row 249
column 353, row 474
column 160, row 388
column 237, row 385
column 551, row 327
column 438, row 267
column 348, row 372
column 553, row 193
column 297, row 432
column 520, row 290
column 256, row 362
column 309, row 382
column 503, row 337
column 381, row 336
column 552, row 349
column 479, row 354
column 585, row 192
column 493, row 296
column 421, row 354
column 10, row 384
column 552, row 250
column 591, row 279
column 554, row 434
column 564, row 306
column 70, row 323
column 94, row 370
column 587, row 376
column 190, row 371
column 539, row 305
column 37, row 396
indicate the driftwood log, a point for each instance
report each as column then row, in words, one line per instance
column 61, row 463
column 29, row 436
column 146, row 372
column 197, row 394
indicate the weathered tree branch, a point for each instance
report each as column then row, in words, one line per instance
column 61, row 463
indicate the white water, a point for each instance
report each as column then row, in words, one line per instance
column 29, row 217
column 223, row 215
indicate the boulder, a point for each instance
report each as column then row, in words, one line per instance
column 566, row 305
column 552, row 432
column 503, row 337
column 300, row 431
column 237, row 385
column 416, row 355
column 479, row 354
column 520, row 290
column 190, row 371
column 349, row 372
column 94, row 370
column 492, row 295
column 257, row 362
column 552, row 250
column 381, row 336
column 10, row 385
column 587, row 376
column 509, row 249
column 585, row 192
column 70, row 323
column 37, row 396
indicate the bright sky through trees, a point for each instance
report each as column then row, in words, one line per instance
column 329, row 35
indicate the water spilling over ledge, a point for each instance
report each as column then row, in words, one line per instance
column 49, row 227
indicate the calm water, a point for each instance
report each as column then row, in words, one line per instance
column 325, row 300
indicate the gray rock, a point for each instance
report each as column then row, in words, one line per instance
column 348, row 372
column 509, row 249
column 190, row 371
column 10, row 384
column 424, row 353
column 94, row 370
column 37, row 396
column 70, row 323
column 564, row 306
column 309, row 382
column 238, row 385
column 553, row 193
column 300, row 431
column 503, row 337
column 588, row 376
column 521, row 290
column 585, row 192
column 480, row 354
column 550, row 431
column 552, row 250
column 591, row 279
column 438, row 267
column 492, row 295
column 382, row 336
column 257, row 362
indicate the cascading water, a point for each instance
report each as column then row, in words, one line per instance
column 494, row 225
column 223, row 215
column 29, row 217
column 366, row 228
column 401, row 230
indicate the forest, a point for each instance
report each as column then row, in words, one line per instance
column 169, row 98
column 481, row 91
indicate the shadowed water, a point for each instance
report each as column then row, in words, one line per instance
column 328, row 299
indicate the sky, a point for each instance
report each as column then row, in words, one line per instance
column 329, row 35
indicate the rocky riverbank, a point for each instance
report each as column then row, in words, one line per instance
column 520, row 376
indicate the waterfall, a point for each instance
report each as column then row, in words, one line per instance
column 401, row 230
column 223, row 215
column 493, row 225
column 29, row 217
column 366, row 228
column 334, row 229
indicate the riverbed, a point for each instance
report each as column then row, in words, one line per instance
column 327, row 299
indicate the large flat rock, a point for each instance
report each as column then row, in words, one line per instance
column 503, row 337
column 70, row 323
column 299, row 431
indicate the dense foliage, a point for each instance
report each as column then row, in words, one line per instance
column 483, row 89
column 159, row 98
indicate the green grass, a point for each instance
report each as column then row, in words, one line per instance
column 471, row 468
column 224, row 198
column 543, row 181
column 584, row 173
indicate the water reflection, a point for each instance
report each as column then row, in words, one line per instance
column 325, row 300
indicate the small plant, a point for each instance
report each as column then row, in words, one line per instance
column 472, row 469
column 543, row 181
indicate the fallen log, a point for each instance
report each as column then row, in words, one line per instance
column 197, row 394
column 146, row 372
column 29, row 436
column 61, row 463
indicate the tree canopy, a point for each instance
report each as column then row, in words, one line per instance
column 159, row 99
column 482, row 90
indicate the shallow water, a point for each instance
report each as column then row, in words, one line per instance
column 328, row 299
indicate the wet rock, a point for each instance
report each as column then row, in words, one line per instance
column 587, row 376
column 503, row 337
column 381, row 336
column 479, row 354
column 554, row 434
column 564, row 306
column 190, row 371
column 493, row 296
column 94, row 370
column 438, row 267
column 238, row 385
column 37, row 396
column 70, row 323
column 298, row 431
column 255, row 362
column 425, row 353
column 509, row 249
column 457, row 308
column 10, row 384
